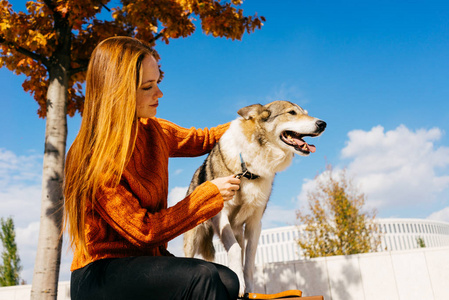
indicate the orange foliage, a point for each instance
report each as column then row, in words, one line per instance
column 30, row 42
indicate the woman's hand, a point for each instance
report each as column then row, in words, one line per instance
column 227, row 186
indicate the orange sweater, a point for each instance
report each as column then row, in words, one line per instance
column 132, row 219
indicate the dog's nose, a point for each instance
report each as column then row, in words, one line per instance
column 321, row 125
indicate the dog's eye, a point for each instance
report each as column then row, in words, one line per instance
column 292, row 112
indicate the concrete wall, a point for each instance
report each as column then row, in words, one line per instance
column 421, row 274
column 280, row 244
column 22, row 292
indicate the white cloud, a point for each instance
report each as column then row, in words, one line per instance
column 396, row 168
column 66, row 262
column 441, row 215
column 26, row 238
column 176, row 246
column 310, row 185
column 20, row 194
column 178, row 171
column 288, row 93
column 20, row 186
column 276, row 216
column 20, row 202
column 176, row 194
column 22, row 168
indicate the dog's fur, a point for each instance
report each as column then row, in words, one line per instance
column 260, row 136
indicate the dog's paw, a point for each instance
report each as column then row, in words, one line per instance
column 242, row 289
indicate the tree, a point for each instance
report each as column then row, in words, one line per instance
column 10, row 267
column 51, row 44
column 336, row 224
column 421, row 243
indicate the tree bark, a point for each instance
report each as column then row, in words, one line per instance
column 48, row 257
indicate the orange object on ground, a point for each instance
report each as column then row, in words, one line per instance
column 290, row 294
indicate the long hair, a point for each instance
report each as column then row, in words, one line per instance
column 108, row 129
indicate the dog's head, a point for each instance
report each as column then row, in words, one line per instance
column 282, row 123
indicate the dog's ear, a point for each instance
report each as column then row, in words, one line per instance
column 253, row 111
column 265, row 114
column 250, row 112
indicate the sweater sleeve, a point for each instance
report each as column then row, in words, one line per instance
column 123, row 212
column 191, row 142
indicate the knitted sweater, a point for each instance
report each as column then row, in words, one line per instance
column 132, row 219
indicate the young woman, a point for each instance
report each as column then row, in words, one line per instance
column 116, row 186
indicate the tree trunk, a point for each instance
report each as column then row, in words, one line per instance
column 48, row 257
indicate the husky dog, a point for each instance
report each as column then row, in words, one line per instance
column 256, row 146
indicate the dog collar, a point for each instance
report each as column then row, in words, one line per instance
column 245, row 173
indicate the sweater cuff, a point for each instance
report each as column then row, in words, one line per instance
column 206, row 201
column 211, row 192
column 214, row 187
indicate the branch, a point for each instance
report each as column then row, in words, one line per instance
column 33, row 55
column 26, row 52
column 73, row 71
column 50, row 5
column 101, row 3
column 158, row 36
column 84, row 63
column 61, row 26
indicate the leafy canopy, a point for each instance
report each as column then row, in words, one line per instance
column 336, row 223
column 30, row 42
column 10, row 266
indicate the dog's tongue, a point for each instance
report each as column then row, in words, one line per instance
column 304, row 146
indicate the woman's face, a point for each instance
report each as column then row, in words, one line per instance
column 148, row 93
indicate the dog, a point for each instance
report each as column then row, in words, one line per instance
column 257, row 145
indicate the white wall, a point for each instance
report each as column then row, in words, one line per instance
column 404, row 275
column 22, row 292
column 421, row 274
column 281, row 244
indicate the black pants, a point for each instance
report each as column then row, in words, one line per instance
column 154, row 277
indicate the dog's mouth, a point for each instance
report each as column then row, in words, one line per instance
column 296, row 141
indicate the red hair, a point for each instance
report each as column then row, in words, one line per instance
column 108, row 131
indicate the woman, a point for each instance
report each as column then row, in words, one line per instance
column 116, row 186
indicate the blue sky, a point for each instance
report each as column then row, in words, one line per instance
column 376, row 71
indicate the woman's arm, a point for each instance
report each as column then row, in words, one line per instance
column 123, row 212
column 191, row 142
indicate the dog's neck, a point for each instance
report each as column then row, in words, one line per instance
column 245, row 173
column 263, row 163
